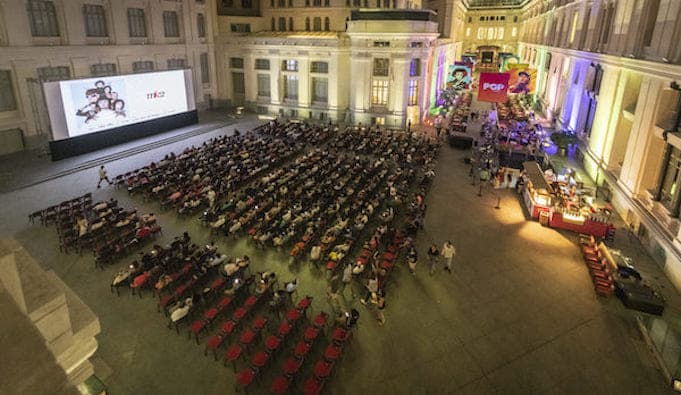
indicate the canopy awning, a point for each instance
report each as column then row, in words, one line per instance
column 536, row 177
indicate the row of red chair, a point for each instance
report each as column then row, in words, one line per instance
column 241, row 313
column 324, row 367
column 292, row 365
column 50, row 214
column 249, row 374
column 603, row 282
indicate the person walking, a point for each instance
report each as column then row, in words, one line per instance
column 372, row 290
column 433, row 257
column 448, row 252
column 379, row 303
column 102, row 176
column 346, row 280
column 412, row 259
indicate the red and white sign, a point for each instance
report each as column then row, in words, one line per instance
column 492, row 87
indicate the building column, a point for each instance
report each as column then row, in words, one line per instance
column 360, row 92
column 275, row 80
column 398, row 91
column 304, row 83
column 644, row 148
column 601, row 123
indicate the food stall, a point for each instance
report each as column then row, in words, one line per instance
column 560, row 204
column 538, row 193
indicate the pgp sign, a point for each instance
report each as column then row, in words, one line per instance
column 493, row 87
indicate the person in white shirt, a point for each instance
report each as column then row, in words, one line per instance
column 291, row 286
column 346, row 280
column 448, row 252
column 102, row 176
column 211, row 197
column 315, row 253
column 181, row 311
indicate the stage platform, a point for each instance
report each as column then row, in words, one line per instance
column 26, row 168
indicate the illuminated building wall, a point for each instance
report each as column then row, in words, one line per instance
column 605, row 69
column 355, row 61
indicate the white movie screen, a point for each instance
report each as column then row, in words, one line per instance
column 95, row 104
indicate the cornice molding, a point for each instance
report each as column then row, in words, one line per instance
column 650, row 68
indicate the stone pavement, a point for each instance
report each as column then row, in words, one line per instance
column 517, row 316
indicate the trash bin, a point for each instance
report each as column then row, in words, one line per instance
column 544, row 218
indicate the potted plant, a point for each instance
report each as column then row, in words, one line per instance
column 563, row 140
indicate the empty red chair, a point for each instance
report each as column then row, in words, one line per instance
column 331, row 265
column 260, row 359
column 292, row 366
column 259, row 324
column 227, row 328
column 284, row 329
column 213, row 344
column 246, row 338
column 239, row 314
column 164, row 302
column 250, row 302
column 388, row 256
column 304, row 303
column 311, row 334
column 245, row 378
column 224, row 303
column 233, row 353
column 293, row 315
column 210, row 314
column 301, row 350
column 320, row 320
column 312, row 386
column 272, row 343
column 196, row 328
column 340, row 335
column 279, row 385
column 217, row 283
column 322, row 369
column 332, row 352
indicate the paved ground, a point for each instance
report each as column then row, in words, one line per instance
column 518, row 315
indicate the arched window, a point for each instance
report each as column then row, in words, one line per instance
column 282, row 24
column 326, row 24
column 307, row 24
column 290, row 24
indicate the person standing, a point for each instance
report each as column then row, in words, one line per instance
column 433, row 257
column 102, row 176
column 448, row 252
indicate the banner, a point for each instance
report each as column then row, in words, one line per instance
column 458, row 77
column 508, row 62
column 493, row 87
column 522, row 78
